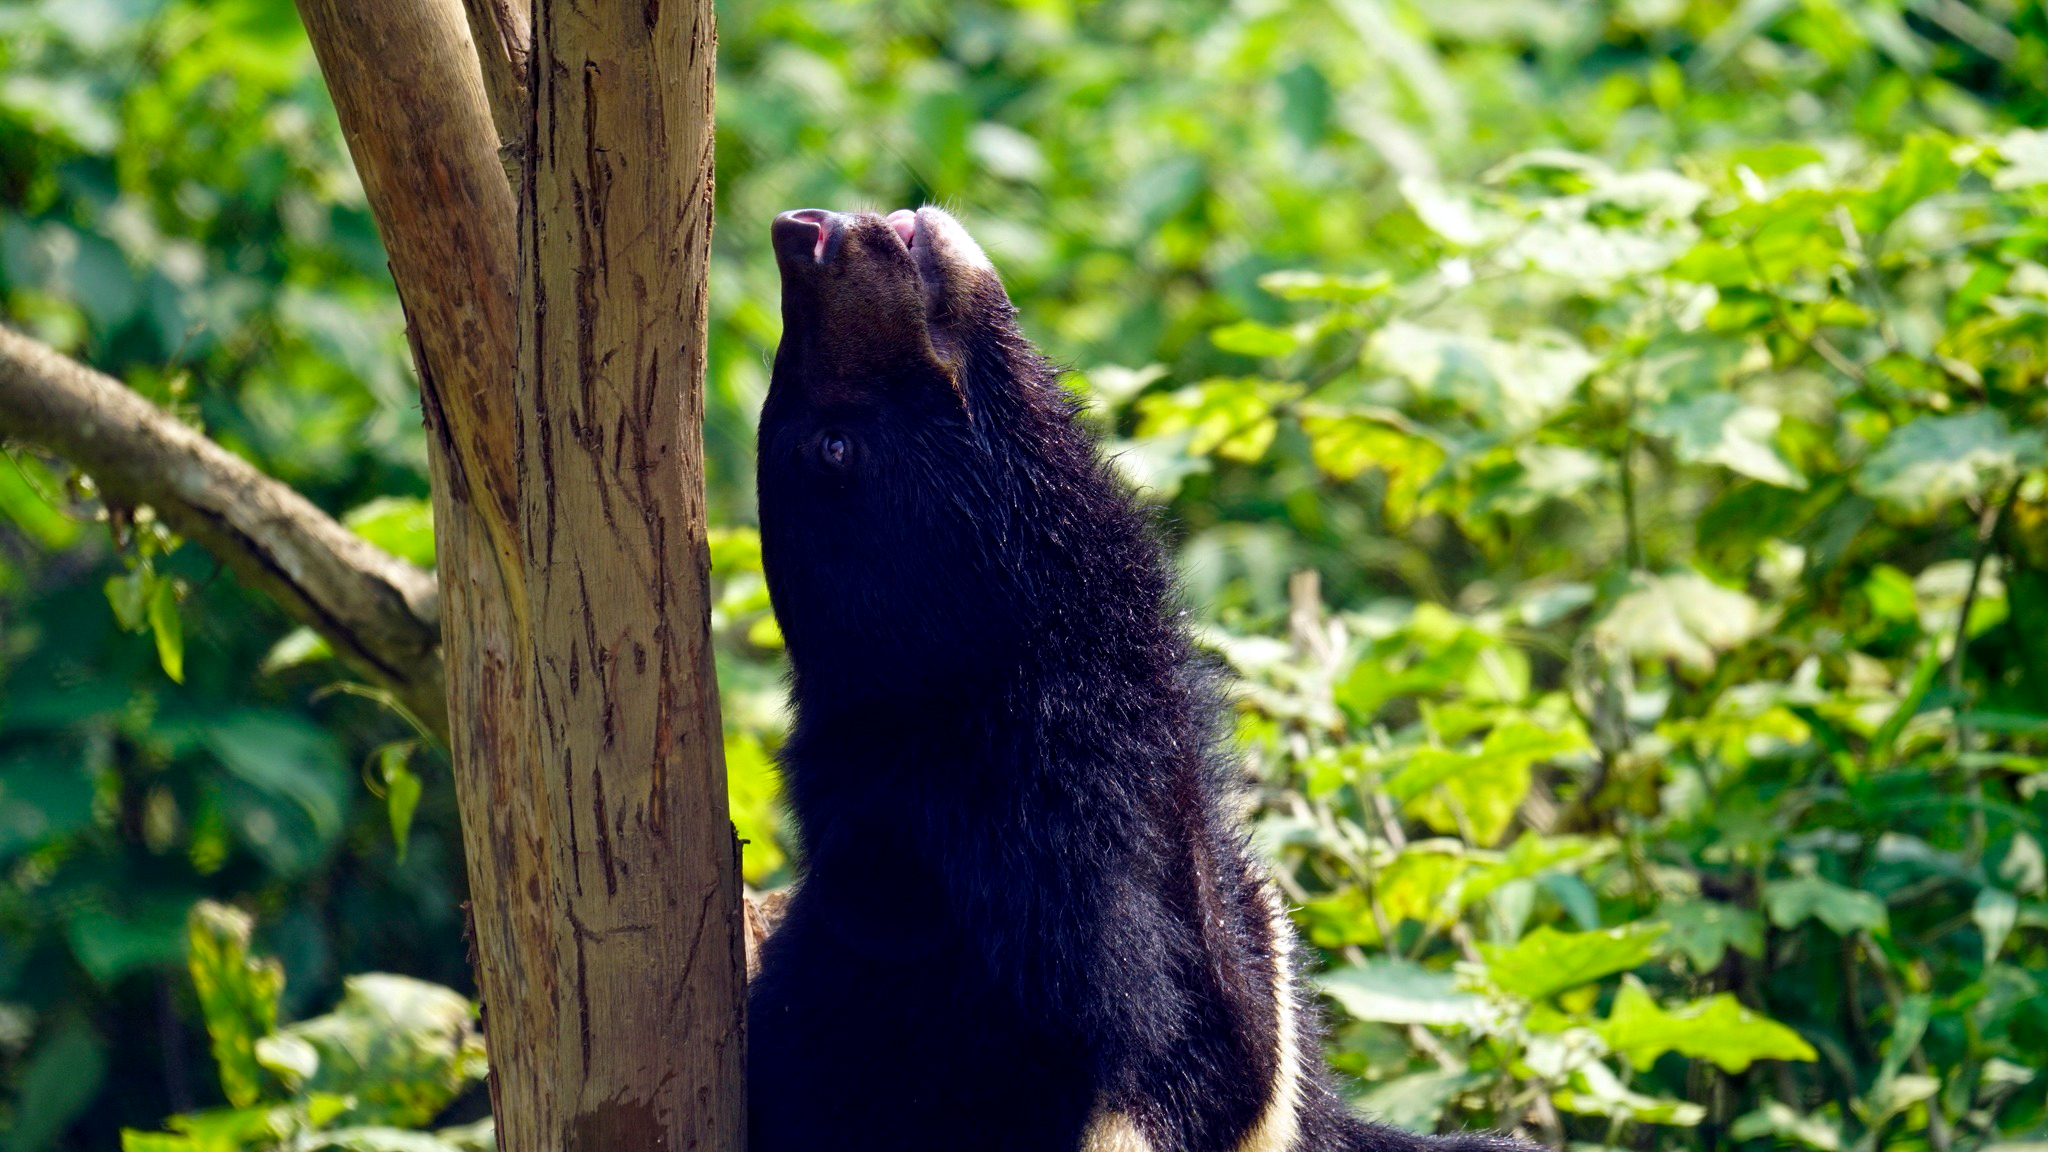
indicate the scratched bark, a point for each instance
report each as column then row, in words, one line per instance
column 410, row 93
column 615, row 232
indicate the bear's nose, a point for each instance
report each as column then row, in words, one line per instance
column 808, row 236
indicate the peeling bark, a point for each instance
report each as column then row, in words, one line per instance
column 615, row 234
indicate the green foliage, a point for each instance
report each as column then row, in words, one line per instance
column 1604, row 439
column 384, row 1063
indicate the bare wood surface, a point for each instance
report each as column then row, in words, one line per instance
column 615, row 234
column 409, row 90
column 379, row 613
column 503, row 33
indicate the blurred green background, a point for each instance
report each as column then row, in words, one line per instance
column 1604, row 438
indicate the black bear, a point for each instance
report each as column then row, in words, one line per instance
column 1026, row 918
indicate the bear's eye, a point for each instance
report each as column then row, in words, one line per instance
column 835, row 450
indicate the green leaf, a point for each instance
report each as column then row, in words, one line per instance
column 168, row 627
column 377, row 1139
column 126, row 595
column 215, row 1130
column 1596, row 1091
column 1717, row 1028
column 1703, row 931
column 1515, row 386
column 1454, row 215
column 399, row 1049
column 1249, row 338
column 1890, row 593
column 1925, row 168
column 400, row 525
column 1345, row 445
column 1416, row 1102
column 1844, row 910
column 1548, row 961
column 1996, row 913
column 1782, row 1120
column 238, row 996
column 1680, row 616
column 1533, row 855
column 1392, row 991
column 60, row 1080
column 1479, row 792
column 43, row 797
column 1719, row 428
column 1935, row 461
column 401, row 791
column 25, row 488
column 138, row 933
column 298, row 646
column 2025, row 152
column 1227, row 417
column 753, row 792
column 286, row 758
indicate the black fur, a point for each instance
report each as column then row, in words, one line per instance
column 1025, row 897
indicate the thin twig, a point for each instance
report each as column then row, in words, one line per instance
column 1987, row 528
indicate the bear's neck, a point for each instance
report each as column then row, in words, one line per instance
column 1102, row 723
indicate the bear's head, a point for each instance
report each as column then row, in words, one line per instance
column 930, row 509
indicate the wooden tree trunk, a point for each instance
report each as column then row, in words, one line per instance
column 569, row 513
column 614, row 248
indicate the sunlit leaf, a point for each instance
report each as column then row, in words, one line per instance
column 1777, row 1118
column 1479, row 792
column 297, row 647
column 1717, row 1028
column 1925, row 168
column 753, row 792
column 168, row 627
column 400, row 1049
column 238, row 996
column 1719, row 428
column 1515, row 385
column 1935, row 461
column 402, row 526
column 1229, row 417
column 1398, row 992
column 1681, row 616
column 1547, row 961
column 1596, row 1091
column 401, row 792
column 1996, row 913
column 2025, row 152
column 1344, row 446
column 1249, row 338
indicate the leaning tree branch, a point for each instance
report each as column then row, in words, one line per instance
column 503, row 33
column 380, row 613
